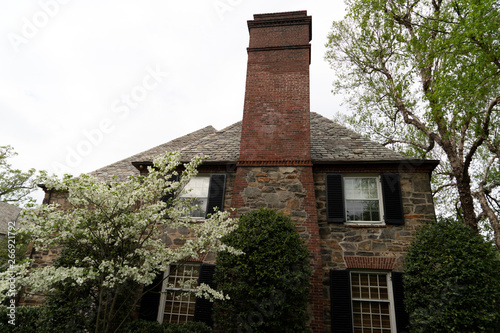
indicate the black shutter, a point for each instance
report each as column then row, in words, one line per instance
column 203, row 307
column 393, row 203
column 402, row 318
column 340, row 299
column 335, row 209
column 151, row 300
column 216, row 191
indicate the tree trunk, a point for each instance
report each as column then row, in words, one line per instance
column 466, row 200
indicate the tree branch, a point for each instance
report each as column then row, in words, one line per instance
column 485, row 128
column 442, row 187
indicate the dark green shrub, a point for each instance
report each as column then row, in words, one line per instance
column 28, row 319
column 140, row 326
column 22, row 241
column 189, row 327
column 452, row 280
column 268, row 285
column 74, row 309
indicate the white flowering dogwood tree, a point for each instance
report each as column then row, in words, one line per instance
column 113, row 232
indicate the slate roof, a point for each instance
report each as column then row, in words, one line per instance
column 124, row 168
column 8, row 213
column 330, row 143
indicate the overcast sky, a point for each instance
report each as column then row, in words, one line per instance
column 85, row 83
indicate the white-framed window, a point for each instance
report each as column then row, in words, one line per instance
column 372, row 303
column 363, row 199
column 177, row 301
column 196, row 190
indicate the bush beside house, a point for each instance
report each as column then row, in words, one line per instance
column 268, row 284
column 452, row 281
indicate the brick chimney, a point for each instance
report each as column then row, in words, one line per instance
column 274, row 169
column 276, row 120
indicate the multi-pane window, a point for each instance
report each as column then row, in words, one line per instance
column 362, row 199
column 177, row 302
column 197, row 191
column 371, row 303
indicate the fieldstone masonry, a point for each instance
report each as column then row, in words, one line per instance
column 381, row 247
column 342, row 240
column 277, row 188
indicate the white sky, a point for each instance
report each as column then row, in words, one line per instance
column 67, row 67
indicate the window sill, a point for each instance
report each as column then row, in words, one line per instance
column 365, row 225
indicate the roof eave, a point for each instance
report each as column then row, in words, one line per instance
column 407, row 163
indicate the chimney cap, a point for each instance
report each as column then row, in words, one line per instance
column 280, row 19
column 300, row 13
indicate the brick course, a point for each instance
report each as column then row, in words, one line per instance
column 276, row 118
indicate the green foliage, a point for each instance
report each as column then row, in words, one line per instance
column 140, row 326
column 189, row 327
column 42, row 319
column 268, row 284
column 452, row 280
column 68, row 310
column 22, row 242
column 421, row 77
column 28, row 319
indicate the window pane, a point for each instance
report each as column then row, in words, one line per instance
column 197, row 191
column 197, row 187
column 362, row 210
column 179, row 304
column 362, row 199
column 371, row 307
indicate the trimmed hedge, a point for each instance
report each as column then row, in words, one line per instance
column 269, row 283
column 452, row 280
column 38, row 319
column 27, row 319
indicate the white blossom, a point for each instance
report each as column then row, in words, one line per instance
column 117, row 225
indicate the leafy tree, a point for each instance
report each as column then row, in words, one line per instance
column 422, row 76
column 111, row 240
column 19, row 254
column 268, row 284
column 15, row 185
column 451, row 280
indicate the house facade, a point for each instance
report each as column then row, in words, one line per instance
column 355, row 203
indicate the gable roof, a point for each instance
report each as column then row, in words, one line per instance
column 330, row 143
column 122, row 169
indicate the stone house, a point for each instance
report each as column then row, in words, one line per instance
column 356, row 203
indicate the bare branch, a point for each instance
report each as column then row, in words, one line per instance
column 485, row 128
column 442, row 187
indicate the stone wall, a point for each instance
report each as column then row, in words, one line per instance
column 290, row 190
column 371, row 247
